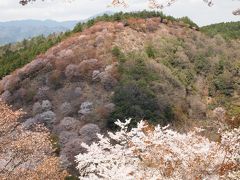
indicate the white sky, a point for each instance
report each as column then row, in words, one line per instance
column 81, row 9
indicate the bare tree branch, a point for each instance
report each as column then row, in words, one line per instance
column 154, row 4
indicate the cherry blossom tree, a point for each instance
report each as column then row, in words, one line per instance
column 25, row 154
column 148, row 152
column 154, row 4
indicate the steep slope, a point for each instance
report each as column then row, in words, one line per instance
column 154, row 69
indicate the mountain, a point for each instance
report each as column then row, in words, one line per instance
column 13, row 31
column 144, row 66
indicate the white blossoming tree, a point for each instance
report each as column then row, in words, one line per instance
column 25, row 154
column 148, row 152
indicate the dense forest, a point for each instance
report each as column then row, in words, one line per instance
column 13, row 56
column 228, row 30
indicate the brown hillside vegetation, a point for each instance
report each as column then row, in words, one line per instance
column 165, row 71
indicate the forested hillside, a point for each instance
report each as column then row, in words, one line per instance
column 228, row 30
column 152, row 68
column 13, row 56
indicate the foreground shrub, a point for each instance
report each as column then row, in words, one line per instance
column 224, row 83
column 201, row 64
column 160, row 153
column 150, row 51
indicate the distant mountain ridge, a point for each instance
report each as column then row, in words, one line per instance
column 18, row 30
column 13, row 31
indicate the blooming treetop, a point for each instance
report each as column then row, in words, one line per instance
column 25, row 154
column 160, row 153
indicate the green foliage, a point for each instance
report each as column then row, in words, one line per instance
column 229, row 30
column 201, row 64
column 137, row 70
column 78, row 27
column 186, row 76
column 133, row 96
column 219, row 68
column 234, row 110
column 124, row 16
column 118, row 54
column 116, row 51
column 188, row 21
column 28, row 50
column 134, row 100
column 224, row 83
column 151, row 52
column 223, row 78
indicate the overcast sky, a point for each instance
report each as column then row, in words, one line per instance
column 82, row 9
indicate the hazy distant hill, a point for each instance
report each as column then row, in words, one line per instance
column 13, row 31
